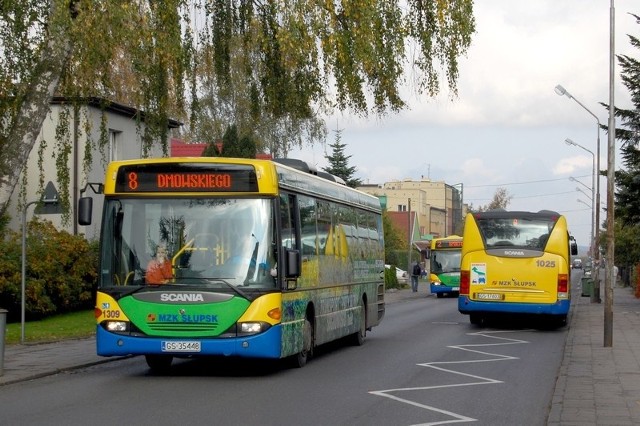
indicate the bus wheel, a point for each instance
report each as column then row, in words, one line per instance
column 300, row 360
column 159, row 363
column 439, row 295
column 475, row 319
column 359, row 336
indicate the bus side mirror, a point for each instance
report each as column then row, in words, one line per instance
column 574, row 246
column 293, row 264
column 85, row 211
column 426, row 253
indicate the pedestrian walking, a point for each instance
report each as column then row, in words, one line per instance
column 415, row 275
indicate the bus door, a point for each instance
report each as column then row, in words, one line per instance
column 289, row 255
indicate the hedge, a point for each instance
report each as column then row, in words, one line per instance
column 61, row 272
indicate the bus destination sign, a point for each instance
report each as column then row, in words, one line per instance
column 192, row 177
column 444, row 244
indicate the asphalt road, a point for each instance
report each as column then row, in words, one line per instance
column 424, row 364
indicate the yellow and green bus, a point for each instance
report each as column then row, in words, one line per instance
column 516, row 262
column 444, row 265
column 267, row 260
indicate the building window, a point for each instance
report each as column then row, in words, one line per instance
column 114, row 141
column 402, row 207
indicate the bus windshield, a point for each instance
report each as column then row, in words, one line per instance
column 519, row 232
column 443, row 262
column 222, row 242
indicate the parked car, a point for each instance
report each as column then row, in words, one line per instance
column 401, row 275
column 577, row 264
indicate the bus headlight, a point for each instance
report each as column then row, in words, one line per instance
column 253, row 327
column 116, row 326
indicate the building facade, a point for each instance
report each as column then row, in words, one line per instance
column 438, row 206
column 76, row 129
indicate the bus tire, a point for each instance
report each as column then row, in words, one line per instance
column 359, row 336
column 302, row 357
column 159, row 363
column 439, row 295
column 476, row 319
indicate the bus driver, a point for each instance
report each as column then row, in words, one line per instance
column 159, row 268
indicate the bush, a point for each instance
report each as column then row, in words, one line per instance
column 390, row 278
column 61, row 271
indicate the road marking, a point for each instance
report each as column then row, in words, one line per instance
column 478, row 380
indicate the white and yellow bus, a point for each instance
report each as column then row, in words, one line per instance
column 515, row 262
column 267, row 261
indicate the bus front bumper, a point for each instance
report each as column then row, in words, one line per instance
column 263, row 345
column 440, row 288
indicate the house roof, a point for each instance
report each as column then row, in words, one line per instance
column 182, row 149
column 110, row 106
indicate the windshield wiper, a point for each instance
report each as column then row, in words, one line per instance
column 225, row 282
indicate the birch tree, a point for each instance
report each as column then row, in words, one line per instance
column 273, row 68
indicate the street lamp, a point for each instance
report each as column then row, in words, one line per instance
column 584, row 202
column 572, row 179
column 561, row 91
column 587, row 195
column 591, row 209
column 594, row 205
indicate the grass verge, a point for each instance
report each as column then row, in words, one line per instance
column 60, row 327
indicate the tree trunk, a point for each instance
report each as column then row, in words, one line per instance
column 38, row 93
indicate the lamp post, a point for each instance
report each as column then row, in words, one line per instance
column 595, row 205
column 596, row 283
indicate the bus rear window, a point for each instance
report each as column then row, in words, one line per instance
column 515, row 231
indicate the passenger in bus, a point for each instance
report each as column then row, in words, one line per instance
column 159, row 268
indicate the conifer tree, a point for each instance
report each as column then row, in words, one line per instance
column 627, row 178
column 339, row 162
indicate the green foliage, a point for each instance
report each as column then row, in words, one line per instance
column 232, row 146
column 627, row 179
column 4, row 222
column 339, row 163
column 501, row 200
column 394, row 241
column 271, row 68
column 61, row 271
column 627, row 244
column 390, row 278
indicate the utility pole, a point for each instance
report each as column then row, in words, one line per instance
column 409, row 238
column 609, row 278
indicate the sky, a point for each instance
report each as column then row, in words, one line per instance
column 507, row 127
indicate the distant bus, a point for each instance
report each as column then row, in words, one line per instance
column 444, row 265
column 516, row 262
column 266, row 260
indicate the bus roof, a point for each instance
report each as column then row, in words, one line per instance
column 293, row 176
column 501, row 213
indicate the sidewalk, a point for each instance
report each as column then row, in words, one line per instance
column 598, row 385
column 595, row 385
